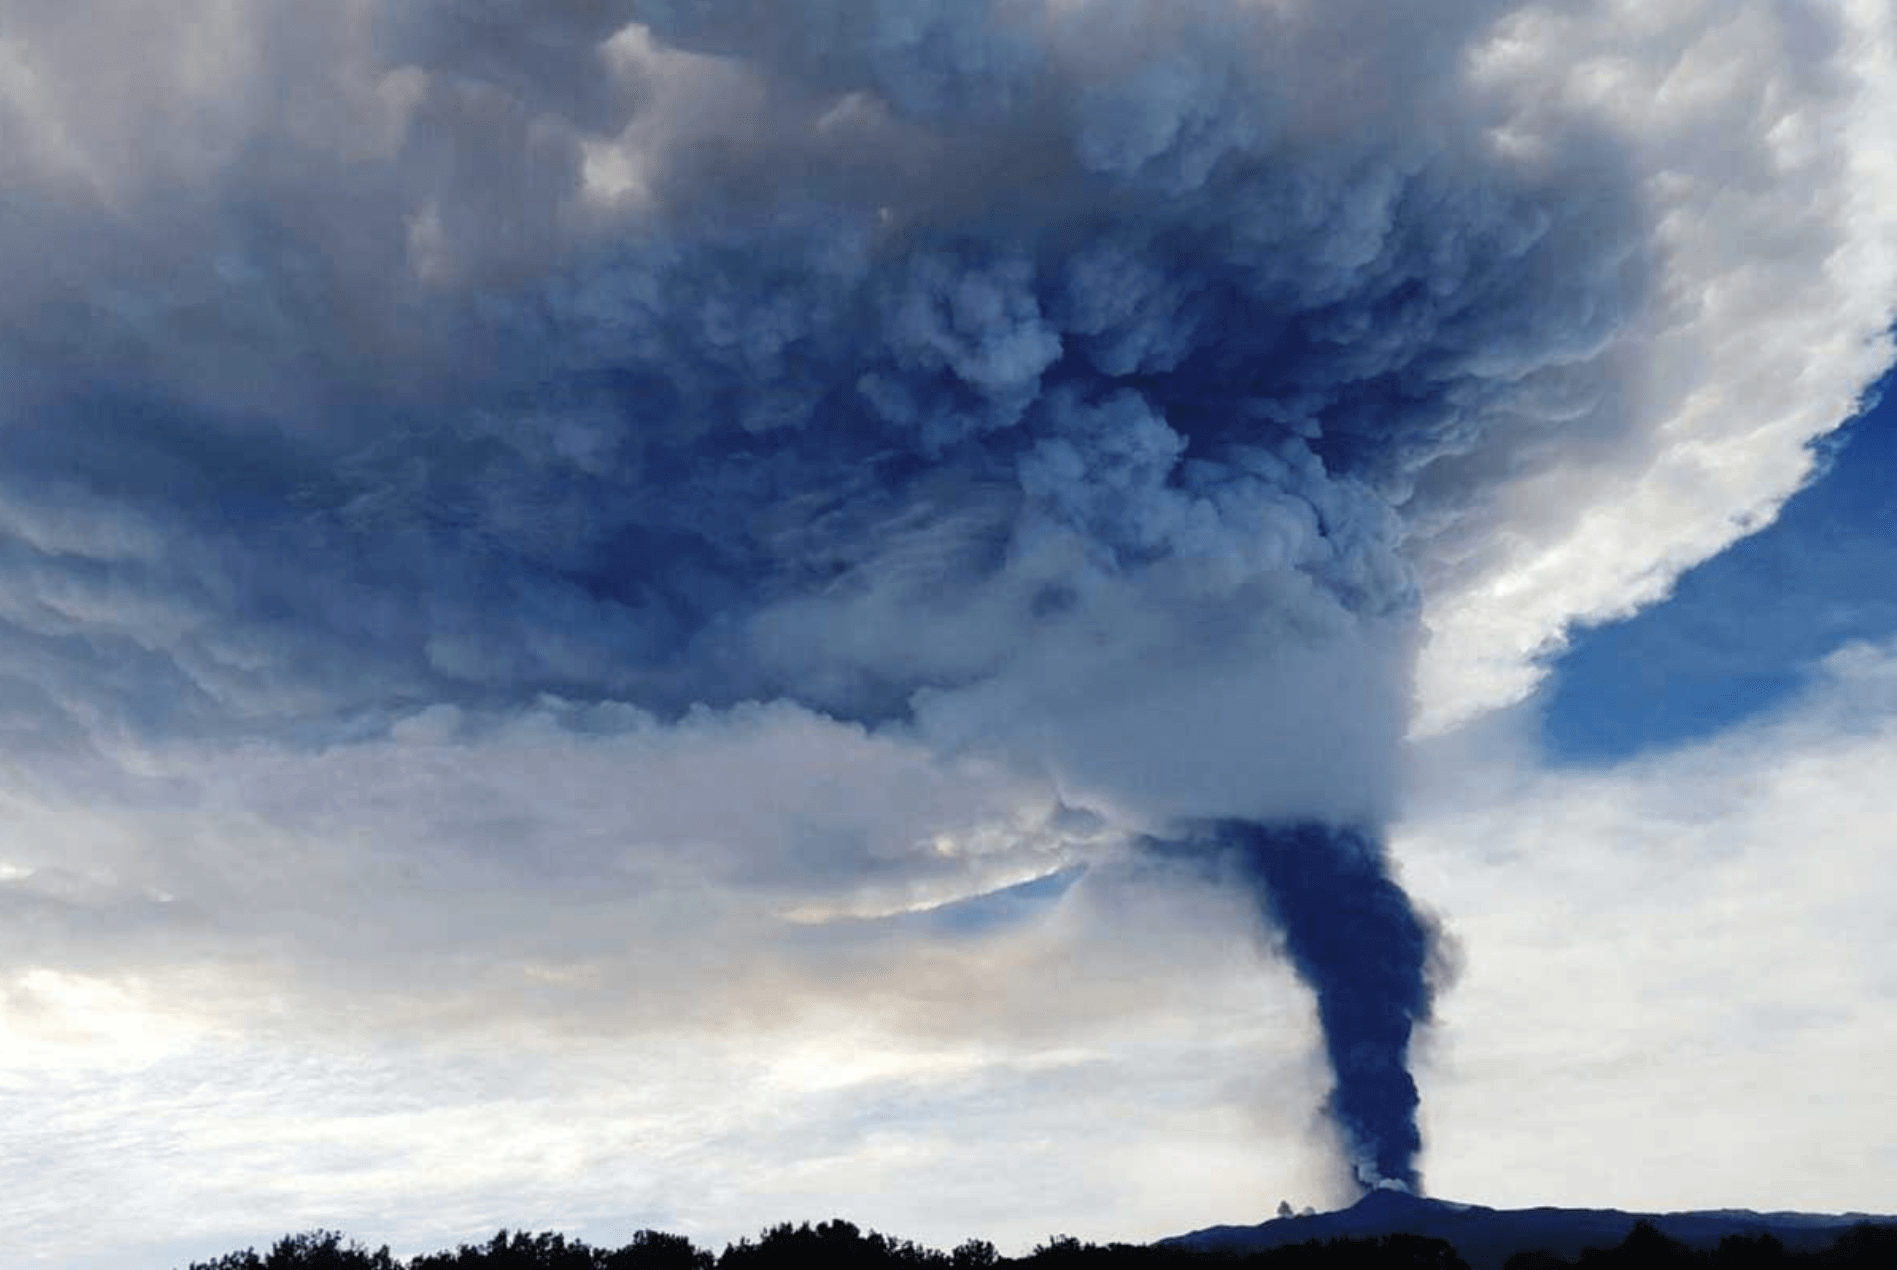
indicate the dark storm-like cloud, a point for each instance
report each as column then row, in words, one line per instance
column 1059, row 386
column 1090, row 390
column 818, row 421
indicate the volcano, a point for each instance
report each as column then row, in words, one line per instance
column 1486, row 1237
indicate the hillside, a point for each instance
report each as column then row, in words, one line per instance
column 1487, row 1236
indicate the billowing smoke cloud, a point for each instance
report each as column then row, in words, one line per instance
column 1086, row 387
column 1373, row 960
column 1357, row 940
column 945, row 363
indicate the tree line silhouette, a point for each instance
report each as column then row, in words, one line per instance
column 840, row 1245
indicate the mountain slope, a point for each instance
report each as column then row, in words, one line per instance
column 1486, row 1236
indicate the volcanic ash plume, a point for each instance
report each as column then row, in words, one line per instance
column 1088, row 387
column 1356, row 939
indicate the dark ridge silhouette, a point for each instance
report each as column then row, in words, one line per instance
column 1543, row 1238
column 1387, row 1231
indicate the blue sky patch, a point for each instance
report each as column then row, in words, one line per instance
column 1741, row 633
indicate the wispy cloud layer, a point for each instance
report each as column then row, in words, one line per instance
column 1638, row 968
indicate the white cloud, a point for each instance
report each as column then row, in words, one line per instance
column 463, row 859
column 354, row 1008
column 1679, row 987
column 1756, row 129
column 1676, row 991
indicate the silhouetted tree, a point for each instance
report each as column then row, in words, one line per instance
column 1864, row 1245
column 656, row 1250
column 1750, row 1252
column 841, row 1245
column 518, row 1251
column 831, row 1245
column 974, row 1254
column 245, row 1260
column 1062, row 1250
column 310, row 1250
column 1418, row 1252
column 1646, row 1247
column 1538, row 1259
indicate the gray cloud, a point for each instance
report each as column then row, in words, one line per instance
column 405, row 417
column 867, row 441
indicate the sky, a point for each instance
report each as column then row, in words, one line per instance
column 994, row 617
